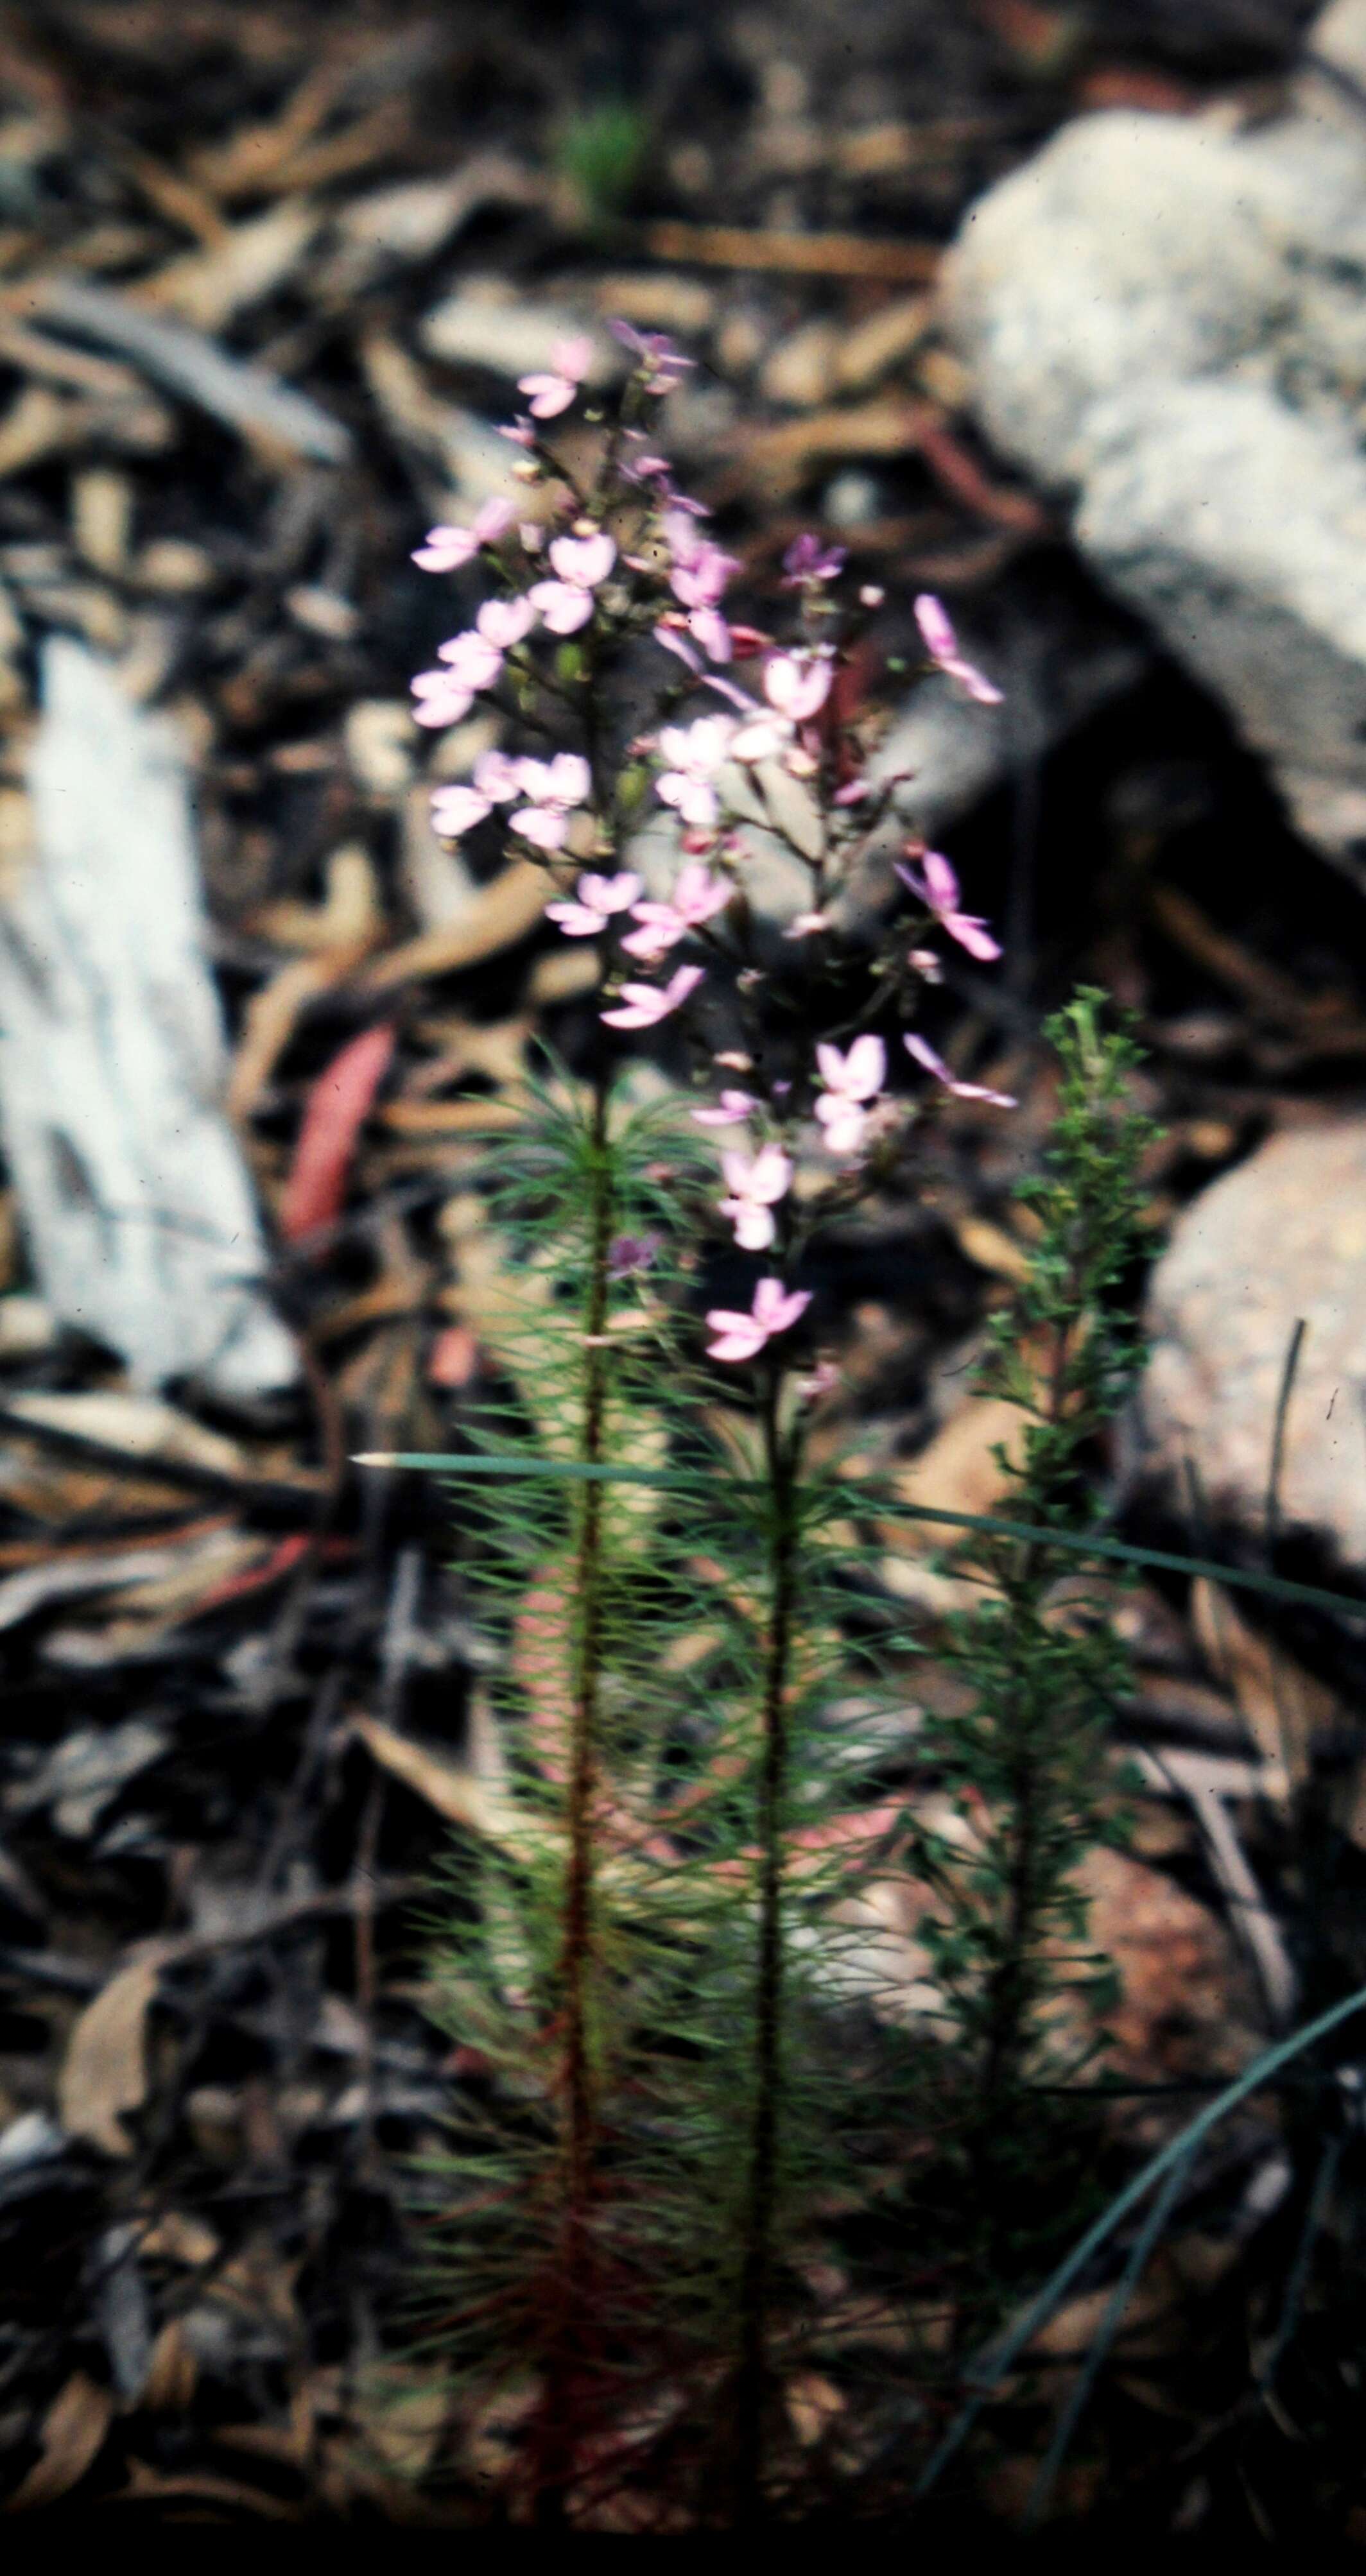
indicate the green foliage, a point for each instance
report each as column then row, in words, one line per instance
column 1025, row 1762
column 699, row 2147
column 683, row 2090
column 600, row 154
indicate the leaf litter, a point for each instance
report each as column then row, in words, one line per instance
column 265, row 277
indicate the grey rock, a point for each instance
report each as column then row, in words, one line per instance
column 1165, row 323
column 1279, row 1240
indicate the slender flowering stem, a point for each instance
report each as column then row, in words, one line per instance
column 752, row 2392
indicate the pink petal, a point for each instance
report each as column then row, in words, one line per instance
column 866, row 1067
column 712, row 633
column 653, row 940
column 446, row 549
column 741, row 1338
column 674, row 642
column 456, row 810
column 935, row 626
column 504, row 622
column 584, row 561
column 643, row 1005
column 564, row 608
column 976, row 683
column 683, row 981
column 941, row 883
column 569, row 778
column 732, row 1107
column 544, row 825
column 492, row 522
column 798, row 689
column 925, row 1055
column 576, row 920
column 609, row 894
column 495, row 776
column 546, row 395
column 776, row 1307
column 573, row 357
column 972, row 934
column 754, row 1226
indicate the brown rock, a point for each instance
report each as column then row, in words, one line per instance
column 1280, row 1240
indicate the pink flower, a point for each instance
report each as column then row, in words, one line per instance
column 564, row 608
column 674, row 640
column 662, row 365
column 755, row 1189
column 693, row 754
column 581, row 563
column 937, row 886
column 810, row 558
column 458, row 809
column 646, row 1004
column 712, row 633
column 504, row 622
column 519, row 432
column 565, row 780
column 551, row 787
column 598, row 899
column 448, row 549
column 442, row 699
column 924, row 1054
column 762, row 739
column 797, row 685
column 806, row 925
column 850, row 1081
column 700, row 570
column 941, row 644
column 741, row 1337
column 728, row 1111
column 474, row 661
column 696, row 897
column 549, row 394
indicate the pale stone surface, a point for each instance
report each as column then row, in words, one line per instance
column 134, row 1198
column 1164, row 320
column 1280, row 1239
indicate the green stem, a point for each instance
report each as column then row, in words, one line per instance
column 761, row 2193
column 576, row 2268
column 1014, row 1983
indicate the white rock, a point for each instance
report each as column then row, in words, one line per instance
column 1165, row 321
column 133, row 1195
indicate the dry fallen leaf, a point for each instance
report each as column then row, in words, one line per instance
column 455, row 1792
column 198, row 2486
column 503, row 913
column 104, row 2072
column 350, row 916
column 272, row 1015
column 172, row 2372
column 141, row 1425
column 339, row 1103
column 956, row 1472
column 1287, row 1710
column 74, row 2429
